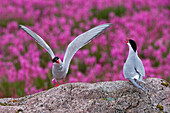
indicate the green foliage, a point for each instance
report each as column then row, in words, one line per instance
column 45, row 84
column 104, row 14
column 98, row 54
column 20, row 21
column 82, row 67
column 19, row 87
column 48, row 81
column 57, row 4
column 8, row 88
column 146, row 8
column 5, row 87
column 168, row 79
column 44, row 59
column 38, row 82
column 76, row 25
column 17, row 65
column 120, row 11
column 156, row 63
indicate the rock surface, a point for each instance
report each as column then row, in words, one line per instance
column 115, row 96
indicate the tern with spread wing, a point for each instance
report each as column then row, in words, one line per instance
column 60, row 69
column 133, row 68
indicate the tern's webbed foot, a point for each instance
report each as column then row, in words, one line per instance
column 56, row 84
column 137, row 85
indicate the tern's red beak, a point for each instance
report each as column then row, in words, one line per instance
column 58, row 62
column 127, row 40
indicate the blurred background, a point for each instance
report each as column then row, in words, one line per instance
column 25, row 67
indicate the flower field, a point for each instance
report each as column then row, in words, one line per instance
column 25, row 67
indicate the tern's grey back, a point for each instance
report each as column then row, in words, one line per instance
column 132, row 67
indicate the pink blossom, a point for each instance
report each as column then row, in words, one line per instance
column 72, row 79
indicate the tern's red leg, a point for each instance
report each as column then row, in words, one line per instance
column 56, row 84
column 63, row 82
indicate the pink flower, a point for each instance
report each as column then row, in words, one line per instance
column 93, row 49
column 21, row 75
column 58, row 23
column 72, row 79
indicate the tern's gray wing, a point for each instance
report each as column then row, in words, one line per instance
column 139, row 68
column 132, row 67
column 82, row 40
column 128, row 69
column 39, row 40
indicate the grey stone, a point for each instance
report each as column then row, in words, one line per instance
column 104, row 97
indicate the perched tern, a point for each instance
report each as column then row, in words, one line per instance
column 133, row 68
column 60, row 69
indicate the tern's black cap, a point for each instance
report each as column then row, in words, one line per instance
column 133, row 44
column 55, row 59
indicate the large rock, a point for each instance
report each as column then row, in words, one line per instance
column 115, row 96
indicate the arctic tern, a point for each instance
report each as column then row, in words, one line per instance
column 60, row 69
column 133, row 68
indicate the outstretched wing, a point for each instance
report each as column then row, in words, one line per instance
column 39, row 40
column 82, row 40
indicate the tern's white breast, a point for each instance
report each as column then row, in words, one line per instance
column 136, row 77
column 58, row 72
